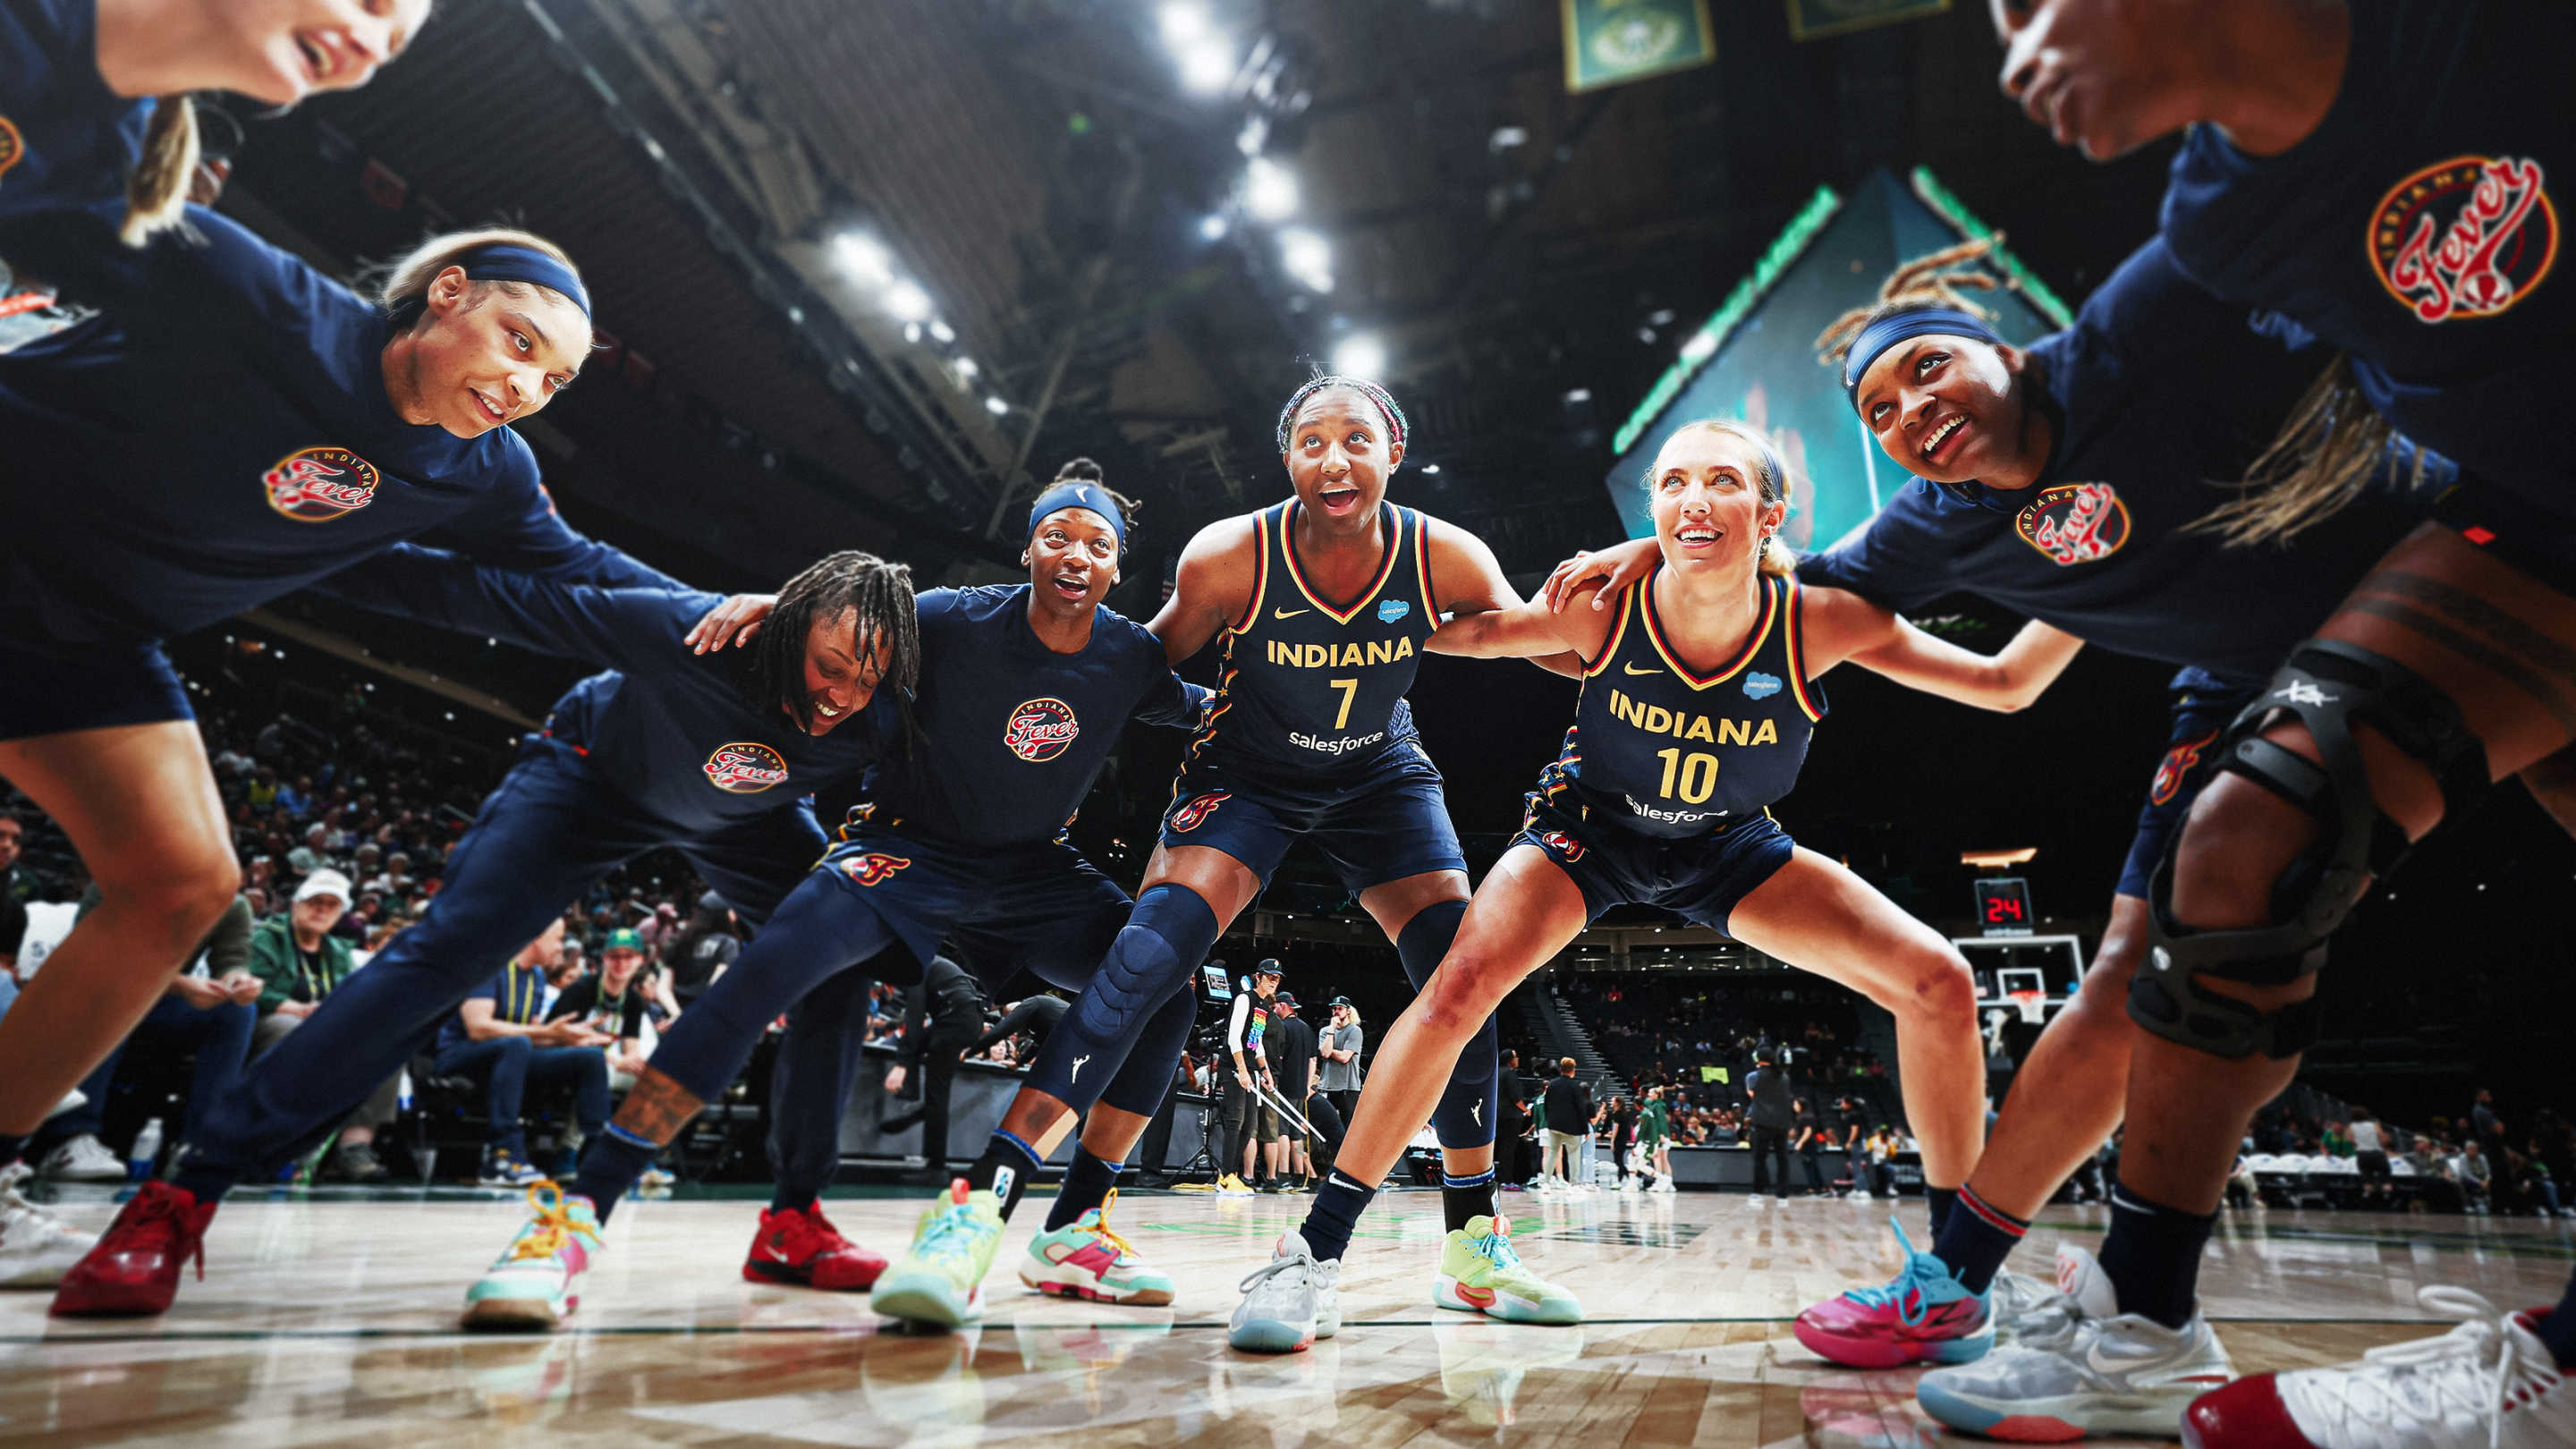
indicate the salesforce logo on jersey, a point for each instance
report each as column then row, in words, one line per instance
column 1334, row 747
column 1759, row 685
column 1390, row 610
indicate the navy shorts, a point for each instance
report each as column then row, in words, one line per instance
column 2511, row 529
column 1044, row 910
column 1389, row 822
column 45, row 690
column 1701, row 877
column 2200, row 716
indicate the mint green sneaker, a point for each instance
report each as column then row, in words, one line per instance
column 536, row 1283
column 1084, row 1259
column 1480, row 1273
column 939, row 1280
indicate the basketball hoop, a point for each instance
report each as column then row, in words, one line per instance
column 2031, row 1004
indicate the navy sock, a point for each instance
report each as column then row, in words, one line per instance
column 2558, row 1330
column 790, row 1200
column 2152, row 1257
column 1462, row 1198
column 1337, row 1209
column 610, row 1163
column 1976, row 1238
column 1939, row 1200
column 1086, row 1186
column 1005, row 1169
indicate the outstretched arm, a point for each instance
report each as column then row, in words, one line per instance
column 1844, row 626
column 1477, row 598
column 620, row 628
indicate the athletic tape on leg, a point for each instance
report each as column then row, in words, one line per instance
column 1465, row 1117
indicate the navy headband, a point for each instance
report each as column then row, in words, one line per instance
column 1886, row 332
column 505, row 262
column 1077, row 494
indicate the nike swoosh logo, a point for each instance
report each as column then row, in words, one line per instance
column 1288, row 613
column 1633, row 669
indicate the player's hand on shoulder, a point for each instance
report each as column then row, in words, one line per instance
column 1604, row 573
column 734, row 621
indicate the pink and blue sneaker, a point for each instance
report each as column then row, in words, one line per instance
column 1084, row 1259
column 536, row 1283
column 1922, row 1315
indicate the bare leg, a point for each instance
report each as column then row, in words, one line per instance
column 2068, row 1096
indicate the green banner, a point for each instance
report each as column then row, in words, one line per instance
column 1612, row 42
column 1813, row 19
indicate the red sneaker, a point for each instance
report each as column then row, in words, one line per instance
column 134, row 1270
column 800, row 1246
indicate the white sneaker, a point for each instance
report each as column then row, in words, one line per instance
column 36, row 1248
column 73, row 1098
column 2490, row 1383
column 1288, row 1303
column 2125, row 1375
column 82, row 1159
column 2042, row 1314
column 1663, row 1184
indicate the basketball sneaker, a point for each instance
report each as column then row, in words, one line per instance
column 502, row 1168
column 2123, row 1375
column 940, row 1278
column 1288, row 1302
column 134, row 1270
column 2040, row 1313
column 1481, row 1273
column 1232, row 1186
column 535, row 1283
column 36, row 1248
column 1922, row 1315
column 83, row 1159
column 2489, row 1383
column 1084, row 1259
column 800, row 1246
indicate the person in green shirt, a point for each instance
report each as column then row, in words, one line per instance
column 1655, row 1135
column 299, row 962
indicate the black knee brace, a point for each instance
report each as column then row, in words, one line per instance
column 2329, row 686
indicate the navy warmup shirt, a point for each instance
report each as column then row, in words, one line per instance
column 65, row 138
column 2421, row 227
column 2098, row 545
column 1014, row 731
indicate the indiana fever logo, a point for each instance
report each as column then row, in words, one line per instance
column 2176, row 767
column 2075, row 523
column 1040, row 730
column 2468, row 237
column 872, row 868
column 1563, row 844
column 316, row 485
column 12, row 149
column 745, row 768
column 1189, row 816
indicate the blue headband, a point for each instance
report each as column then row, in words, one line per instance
column 1088, row 496
column 504, row 262
column 1888, row 331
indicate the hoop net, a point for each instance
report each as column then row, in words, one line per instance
column 2031, row 1004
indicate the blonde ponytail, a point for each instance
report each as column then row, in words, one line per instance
column 156, row 191
column 2325, row 455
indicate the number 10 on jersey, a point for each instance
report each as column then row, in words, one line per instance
column 1697, row 771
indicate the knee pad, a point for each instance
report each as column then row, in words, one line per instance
column 2329, row 686
column 1161, row 944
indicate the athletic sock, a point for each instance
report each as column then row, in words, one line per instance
column 1975, row 1239
column 2152, row 1257
column 1462, row 1198
column 1004, row 1170
column 1086, row 1186
column 2558, row 1330
column 786, row 1200
column 1939, row 1200
column 203, row 1182
column 1337, row 1209
column 610, row 1163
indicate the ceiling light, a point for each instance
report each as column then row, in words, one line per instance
column 1360, row 355
column 907, row 301
column 996, row 406
column 912, row 332
column 1430, row 468
column 1269, row 189
column 1183, row 23
column 1207, row 64
column 1212, row 227
column 1578, row 395
column 966, row 368
column 942, row 330
column 1701, row 347
column 864, row 257
column 1308, row 258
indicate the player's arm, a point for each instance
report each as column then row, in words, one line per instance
column 1844, row 626
column 519, row 529
column 1212, row 588
column 1469, row 582
column 1612, row 569
column 621, row 628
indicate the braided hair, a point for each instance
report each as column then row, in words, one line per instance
column 878, row 592
column 2326, row 453
column 1939, row 279
column 1377, row 396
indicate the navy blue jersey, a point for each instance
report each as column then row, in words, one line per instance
column 1666, row 751
column 676, row 732
column 1015, row 732
column 2098, row 545
column 65, row 138
column 222, row 436
column 2417, row 228
column 1308, row 689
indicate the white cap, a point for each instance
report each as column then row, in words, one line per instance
column 324, row 882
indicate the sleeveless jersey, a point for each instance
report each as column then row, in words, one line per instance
column 1666, row 752
column 1307, row 689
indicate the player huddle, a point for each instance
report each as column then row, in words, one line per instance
column 2350, row 305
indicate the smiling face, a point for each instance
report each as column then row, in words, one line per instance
column 1072, row 559
column 290, row 49
column 1947, row 409
column 1706, row 499
column 1339, row 457
column 839, row 680
column 488, row 353
column 617, row 966
column 2103, row 76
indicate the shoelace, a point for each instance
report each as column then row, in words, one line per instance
column 1100, row 1225
column 2482, row 1342
column 552, row 1228
column 1497, row 1245
column 1273, row 1268
column 1909, row 1280
column 951, row 1233
column 154, row 1219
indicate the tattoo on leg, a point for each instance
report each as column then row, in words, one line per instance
column 658, row 1108
column 2548, row 653
column 2477, row 651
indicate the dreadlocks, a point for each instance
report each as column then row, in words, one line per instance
column 1375, row 394
column 1940, row 279
column 849, row 582
column 2326, row 453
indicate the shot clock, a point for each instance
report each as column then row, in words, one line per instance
column 2003, row 906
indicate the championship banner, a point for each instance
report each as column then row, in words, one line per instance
column 1612, row 42
column 1754, row 361
column 1815, row 19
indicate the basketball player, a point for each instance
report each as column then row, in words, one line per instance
column 1694, row 715
column 711, row 756
column 1023, row 692
column 1324, row 603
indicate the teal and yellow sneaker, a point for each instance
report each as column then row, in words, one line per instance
column 1480, row 1273
column 939, row 1280
column 536, row 1283
column 1083, row 1259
